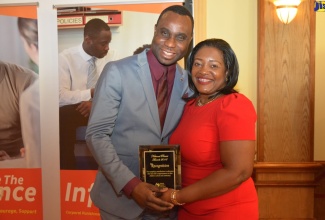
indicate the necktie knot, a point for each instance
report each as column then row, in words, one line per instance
column 92, row 60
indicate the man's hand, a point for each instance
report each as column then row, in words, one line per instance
column 144, row 195
column 84, row 108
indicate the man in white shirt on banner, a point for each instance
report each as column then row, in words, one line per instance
column 79, row 69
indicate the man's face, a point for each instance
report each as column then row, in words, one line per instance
column 172, row 37
column 98, row 46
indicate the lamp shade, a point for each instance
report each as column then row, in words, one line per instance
column 286, row 10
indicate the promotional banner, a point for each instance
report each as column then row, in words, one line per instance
column 75, row 199
column 20, row 194
column 20, row 150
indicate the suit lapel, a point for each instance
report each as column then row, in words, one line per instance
column 178, row 90
column 148, row 87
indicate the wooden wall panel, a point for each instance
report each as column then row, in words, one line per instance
column 286, row 85
column 285, row 172
column 292, row 203
column 200, row 20
column 286, row 190
column 320, row 194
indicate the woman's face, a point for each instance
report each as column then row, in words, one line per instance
column 208, row 71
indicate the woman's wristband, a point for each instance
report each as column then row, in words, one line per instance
column 173, row 198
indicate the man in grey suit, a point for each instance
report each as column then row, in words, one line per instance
column 125, row 115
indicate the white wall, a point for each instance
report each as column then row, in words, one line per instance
column 137, row 29
column 237, row 24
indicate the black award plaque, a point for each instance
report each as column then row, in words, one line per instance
column 160, row 165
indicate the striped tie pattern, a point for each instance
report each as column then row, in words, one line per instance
column 92, row 73
column 162, row 98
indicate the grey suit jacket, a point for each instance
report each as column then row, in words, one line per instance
column 125, row 115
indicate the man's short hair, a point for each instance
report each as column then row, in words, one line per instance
column 94, row 27
column 178, row 9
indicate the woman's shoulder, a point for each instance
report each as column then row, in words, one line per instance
column 235, row 99
column 236, row 102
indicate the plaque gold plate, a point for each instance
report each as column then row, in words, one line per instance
column 160, row 165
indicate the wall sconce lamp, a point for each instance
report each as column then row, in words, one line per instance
column 286, row 10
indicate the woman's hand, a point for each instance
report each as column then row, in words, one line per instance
column 167, row 195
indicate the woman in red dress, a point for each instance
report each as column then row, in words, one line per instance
column 217, row 138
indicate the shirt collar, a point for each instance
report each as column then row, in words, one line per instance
column 83, row 53
column 156, row 68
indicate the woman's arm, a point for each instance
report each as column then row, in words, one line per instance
column 237, row 158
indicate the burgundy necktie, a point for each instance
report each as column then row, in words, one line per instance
column 162, row 98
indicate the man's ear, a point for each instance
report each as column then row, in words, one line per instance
column 87, row 39
column 155, row 28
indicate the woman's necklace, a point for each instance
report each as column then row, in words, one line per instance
column 199, row 103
